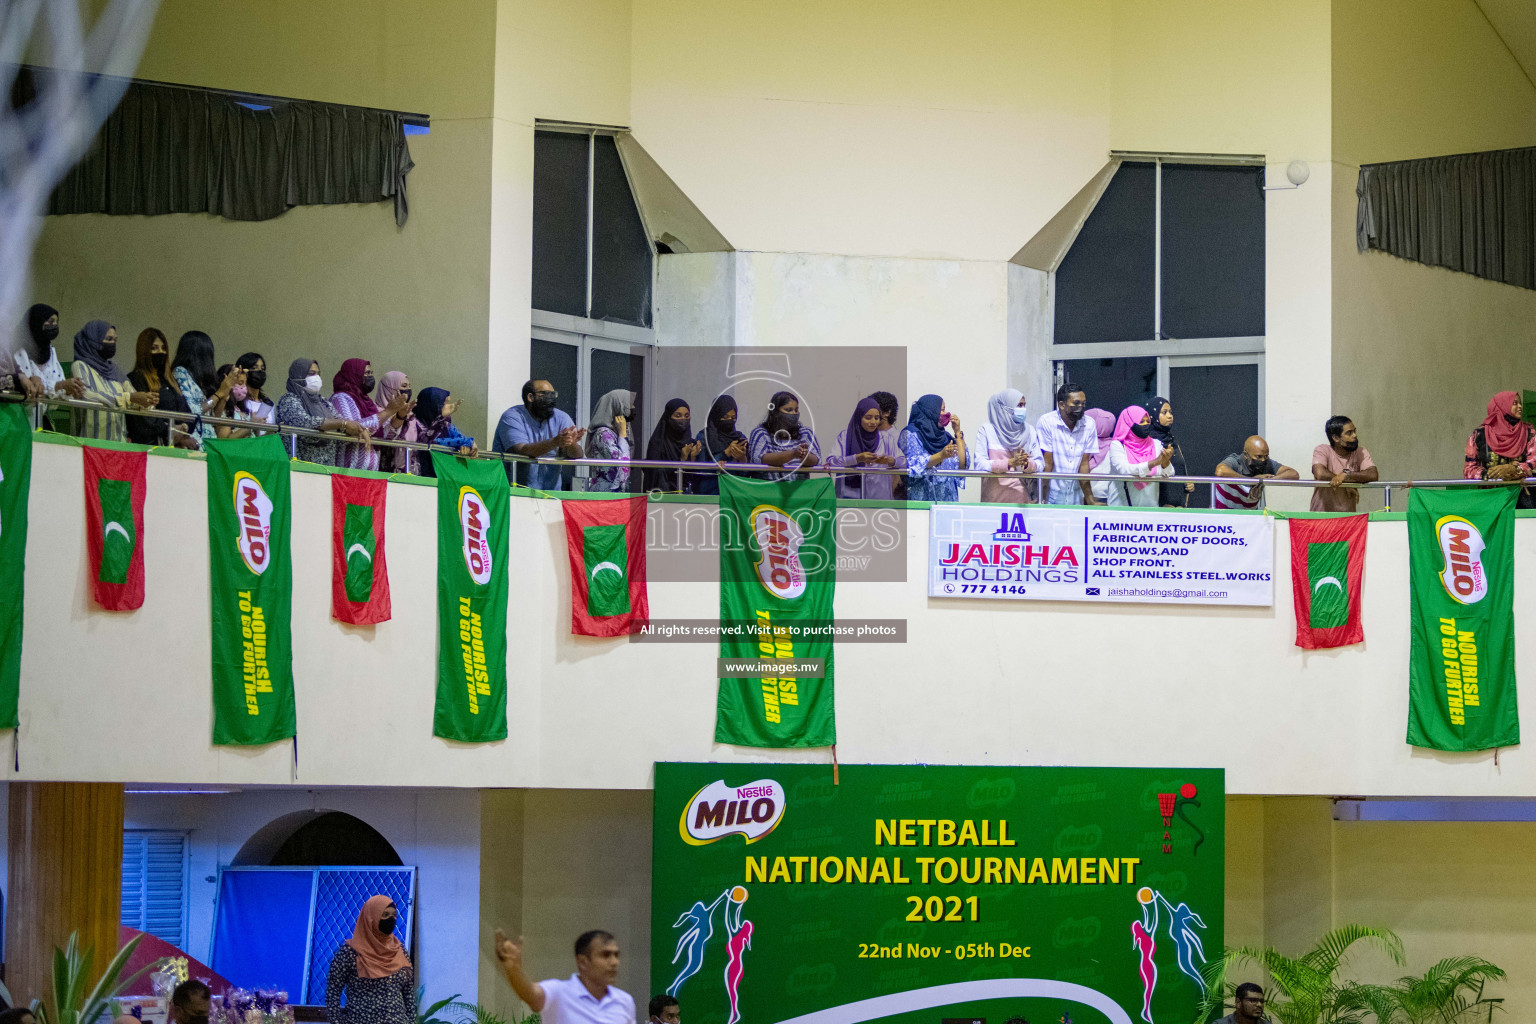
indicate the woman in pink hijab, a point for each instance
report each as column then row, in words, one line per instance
column 397, row 424
column 374, row 971
column 1503, row 447
column 1131, row 451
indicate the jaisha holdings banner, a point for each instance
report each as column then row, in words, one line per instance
column 913, row 895
column 1045, row 553
column 251, row 591
column 114, row 526
column 15, row 484
column 1461, row 667
column 778, row 572
column 472, row 512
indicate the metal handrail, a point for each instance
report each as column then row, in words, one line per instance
column 684, row 468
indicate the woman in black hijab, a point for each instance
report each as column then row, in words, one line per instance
column 672, row 441
column 1173, row 495
column 721, row 442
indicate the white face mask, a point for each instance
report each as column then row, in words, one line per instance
column 312, row 383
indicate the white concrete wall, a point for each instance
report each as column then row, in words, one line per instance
column 436, row 831
column 976, row 683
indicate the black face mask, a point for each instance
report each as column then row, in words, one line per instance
column 677, row 429
column 201, row 1018
column 1255, row 468
column 791, row 423
column 1142, row 430
column 256, row 378
column 157, row 360
column 542, row 406
column 108, row 350
column 368, row 383
column 387, row 925
column 49, row 333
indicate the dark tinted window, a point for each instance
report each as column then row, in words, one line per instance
column 621, row 252
column 1215, row 410
column 560, row 222
column 1213, row 251
column 1105, row 284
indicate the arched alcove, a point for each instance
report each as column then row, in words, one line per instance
column 317, row 838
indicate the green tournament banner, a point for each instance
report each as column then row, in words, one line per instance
column 473, row 506
column 251, row 590
column 15, row 486
column 778, row 574
column 1461, row 661
column 919, row 894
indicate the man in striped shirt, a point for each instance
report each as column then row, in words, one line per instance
column 1252, row 462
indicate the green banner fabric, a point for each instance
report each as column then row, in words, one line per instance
column 251, row 592
column 914, row 894
column 1461, row 668
column 607, row 593
column 473, row 506
column 357, row 532
column 15, row 485
column 778, row 575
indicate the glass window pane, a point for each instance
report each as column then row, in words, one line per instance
column 556, row 363
column 612, row 371
column 1106, row 282
column 621, row 251
column 1113, row 384
column 560, row 222
column 1213, row 251
column 1215, row 409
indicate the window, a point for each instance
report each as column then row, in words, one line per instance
column 155, row 884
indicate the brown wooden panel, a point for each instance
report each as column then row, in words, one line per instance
column 65, row 874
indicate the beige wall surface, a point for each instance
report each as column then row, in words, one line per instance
column 1420, row 350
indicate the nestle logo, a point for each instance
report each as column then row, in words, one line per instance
column 751, row 791
column 1092, row 592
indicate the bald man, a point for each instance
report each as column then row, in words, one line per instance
column 1252, row 462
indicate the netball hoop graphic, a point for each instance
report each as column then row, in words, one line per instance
column 752, row 379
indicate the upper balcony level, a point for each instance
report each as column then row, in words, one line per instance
column 109, row 696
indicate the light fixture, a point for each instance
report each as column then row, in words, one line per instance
column 1296, row 172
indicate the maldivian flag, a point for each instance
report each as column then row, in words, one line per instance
column 606, row 541
column 359, row 575
column 1327, row 574
column 15, row 485
column 778, row 573
column 474, row 507
column 114, row 526
column 1461, row 661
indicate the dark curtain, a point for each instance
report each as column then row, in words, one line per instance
column 172, row 150
column 1475, row 213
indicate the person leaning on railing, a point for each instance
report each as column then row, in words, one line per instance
column 1007, row 442
column 608, row 438
column 38, row 370
column 1341, row 461
column 719, row 443
column 672, row 441
column 927, row 445
column 151, row 373
column 104, row 384
column 303, row 406
column 1503, row 447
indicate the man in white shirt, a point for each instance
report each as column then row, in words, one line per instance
column 1068, row 441
column 586, row 997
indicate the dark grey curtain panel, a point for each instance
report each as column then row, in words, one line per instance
column 1475, row 213
column 172, row 150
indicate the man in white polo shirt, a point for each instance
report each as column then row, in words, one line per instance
column 586, row 997
column 1068, row 441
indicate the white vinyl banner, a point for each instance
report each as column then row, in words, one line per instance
column 1056, row 553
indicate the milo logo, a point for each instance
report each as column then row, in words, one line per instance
column 253, row 510
column 1072, row 841
column 1461, row 552
column 1169, row 883
column 780, row 539
column 815, row 791
column 718, row 810
column 896, row 930
column 990, row 793
column 810, row 979
column 1077, row 931
column 475, row 522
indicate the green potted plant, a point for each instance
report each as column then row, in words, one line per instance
column 69, row 1002
column 1307, row 988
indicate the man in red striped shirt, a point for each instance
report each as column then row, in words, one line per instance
column 1254, row 463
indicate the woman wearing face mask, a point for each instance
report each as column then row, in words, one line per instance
column 1170, row 495
column 781, row 440
column 195, row 373
column 353, row 384
column 253, row 405
column 434, row 416
column 151, row 374
column 37, row 360
column 103, row 384
column 303, row 406
column 1133, row 451
column 720, row 443
column 927, row 446
column 1104, row 426
column 864, row 442
column 373, row 970
column 1007, row 443
column 672, row 441
column 608, row 438
column 395, row 393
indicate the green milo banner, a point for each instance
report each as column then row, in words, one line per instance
column 778, row 573
column 935, row 895
column 1461, row 662
column 473, row 506
column 250, row 590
